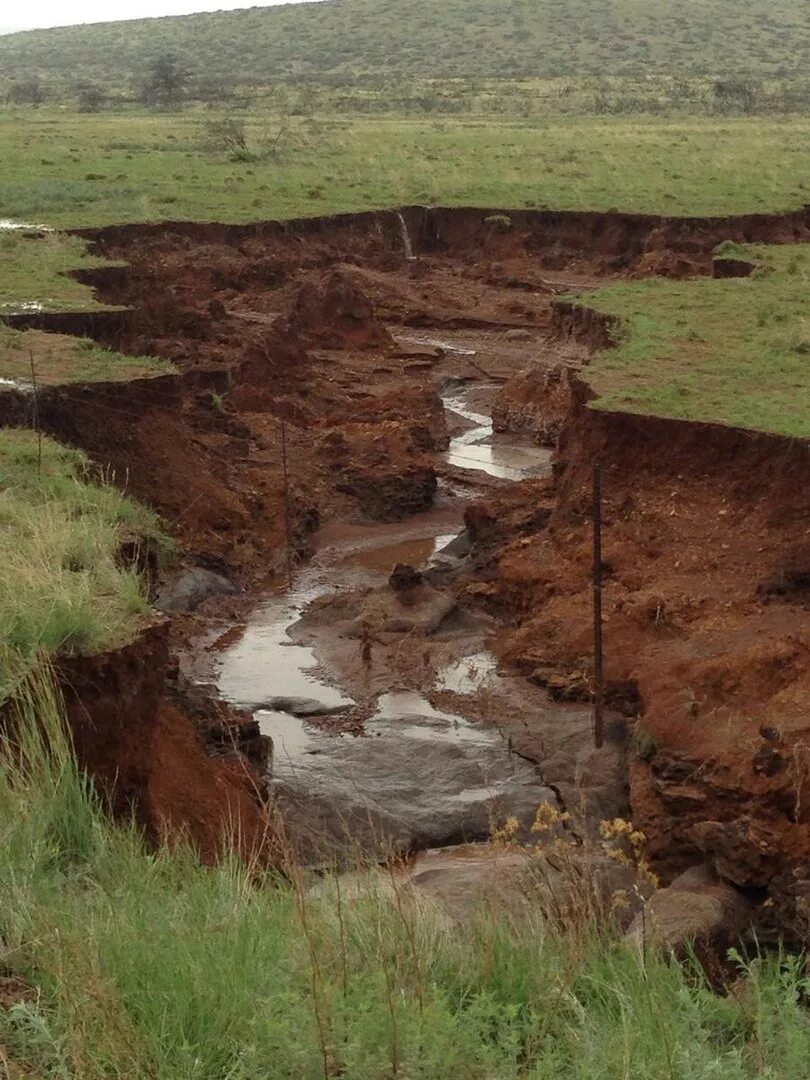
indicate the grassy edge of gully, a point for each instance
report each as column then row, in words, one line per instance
column 119, row 961
column 725, row 351
column 64, row 586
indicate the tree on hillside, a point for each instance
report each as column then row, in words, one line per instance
column 27, row 92
column 89, row 97
column 166, row 81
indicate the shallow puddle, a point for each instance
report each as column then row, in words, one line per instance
column 395, row 709
column 384, row 559
column 291, row 736
column 265, row 663
column 16, row 384
column 506, row 458
column 9, row 225
column 434, row 343
column 22, row 307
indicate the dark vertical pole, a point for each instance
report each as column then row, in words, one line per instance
column 35, row 415
column 287, row 513
column 598, row 670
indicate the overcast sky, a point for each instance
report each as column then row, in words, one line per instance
column 35, row 13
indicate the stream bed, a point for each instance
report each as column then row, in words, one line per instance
column 417, row 776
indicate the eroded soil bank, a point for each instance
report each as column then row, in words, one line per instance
column 317, row 432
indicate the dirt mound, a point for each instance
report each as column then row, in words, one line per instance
column 534, row 403
column 381, row 466
column 335, row 312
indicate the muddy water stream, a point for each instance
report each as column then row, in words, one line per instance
column 417, row 776
column 479, row 448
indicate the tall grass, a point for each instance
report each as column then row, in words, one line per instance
column 149, row 965
column 63, row 585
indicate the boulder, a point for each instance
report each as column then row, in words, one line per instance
column 191, row 588
column 696, row 908
column 412, row 782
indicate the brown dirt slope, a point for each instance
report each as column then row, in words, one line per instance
column 707, row 639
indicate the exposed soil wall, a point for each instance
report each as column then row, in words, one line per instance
column 558, row 239
column 707, row 645
column 146, row 757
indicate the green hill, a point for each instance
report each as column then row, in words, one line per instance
column 346, row 39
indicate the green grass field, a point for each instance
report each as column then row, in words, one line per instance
column 733, row 352
column 68, row 170
column 34, row 272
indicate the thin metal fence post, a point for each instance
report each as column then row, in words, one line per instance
column 35, row 414
column 287, row 509
column 598, row 662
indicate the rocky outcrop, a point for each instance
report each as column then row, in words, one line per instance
column 696, row 910
column 189, row 589
column 410, row 782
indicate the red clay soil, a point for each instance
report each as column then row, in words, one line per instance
column 282, row 325
column 707, row 639
column 146, row 757
column 536, row 403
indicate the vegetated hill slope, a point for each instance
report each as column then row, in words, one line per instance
column 485, row 38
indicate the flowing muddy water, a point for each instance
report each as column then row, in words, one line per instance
column 417, row 776
column 479, row 448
